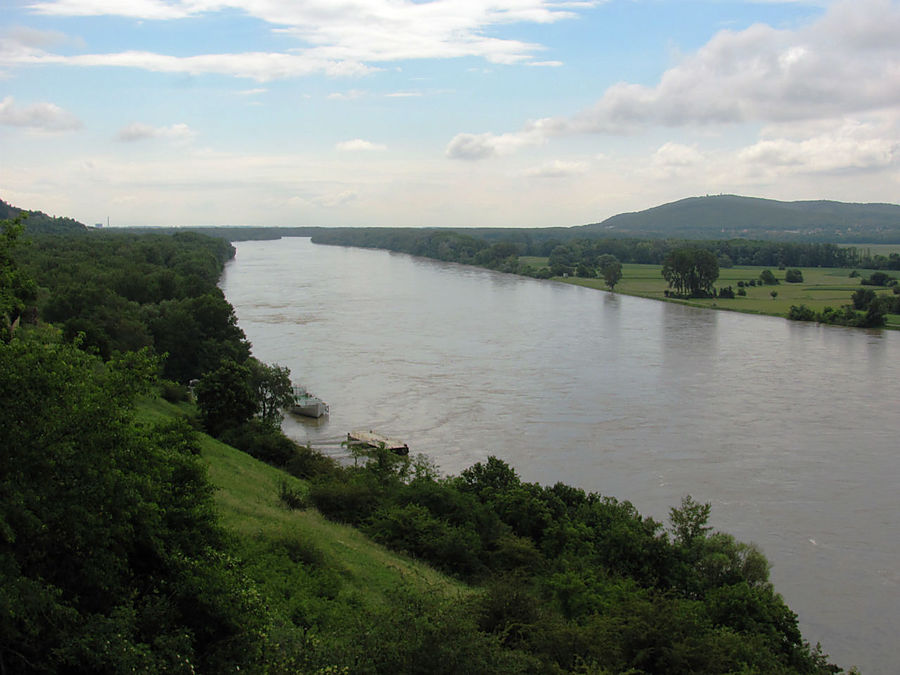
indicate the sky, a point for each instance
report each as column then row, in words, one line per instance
column 443, row 113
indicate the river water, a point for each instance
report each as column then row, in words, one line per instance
column 789, row 429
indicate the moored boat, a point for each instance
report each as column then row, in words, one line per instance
column 306, row 404
column 372, row 439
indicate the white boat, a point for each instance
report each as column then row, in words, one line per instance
column 306, row 404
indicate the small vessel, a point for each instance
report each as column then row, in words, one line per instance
column 372, row 439
column 306, row 404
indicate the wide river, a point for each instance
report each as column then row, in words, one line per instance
column 791, row 430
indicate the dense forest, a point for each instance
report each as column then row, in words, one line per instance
column 113, row 557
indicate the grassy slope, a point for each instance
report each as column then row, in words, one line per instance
column 821, row 287
column 247, row 498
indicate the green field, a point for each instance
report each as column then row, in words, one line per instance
column 821, row 287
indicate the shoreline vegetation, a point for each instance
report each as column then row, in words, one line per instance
column 800, row 281
column 133, row 537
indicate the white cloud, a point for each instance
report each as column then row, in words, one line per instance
column 138, row 131
column 677, row 155
column 359, row 145
column 41, row 116
column 545, row 64
column 259, row 66
column 481, row 146
column 847, row 62
column 136, row 9
column 350, row 95
column 338, row 39
column 851, row 146
column 558, row 169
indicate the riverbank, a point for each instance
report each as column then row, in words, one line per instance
column 821, row 287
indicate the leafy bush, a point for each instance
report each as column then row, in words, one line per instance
column 344, row 500
column 767, row 278
column 879, row 279
column 801, row 313
column 307, row 463
column 863, row 298
column 174, row 392
column 258, row 439
column 291, row 498
column 793, row 276
column 726, row 293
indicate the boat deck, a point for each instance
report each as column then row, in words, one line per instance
column 373, row 439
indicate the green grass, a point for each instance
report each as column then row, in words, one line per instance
column 821, row 287
column 249, row 507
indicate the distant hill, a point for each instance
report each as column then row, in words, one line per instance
column 39, row 222
column 731, row 216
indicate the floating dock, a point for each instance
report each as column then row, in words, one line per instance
column 373, row 439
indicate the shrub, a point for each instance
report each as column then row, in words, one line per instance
column 793, row 276
column 879, row 279
column 766, row 277
column 293, row 499
column 308, row 463
column 801, row 313
column 863, row 298
column 174, row 392
column 742, row 291
column 727, row 292
column 348, row 502
column 262, row 441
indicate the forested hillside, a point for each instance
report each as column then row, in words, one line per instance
column 117, row 554
column 38, row 222
column 730, row 216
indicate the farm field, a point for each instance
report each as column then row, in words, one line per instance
column 821, row 287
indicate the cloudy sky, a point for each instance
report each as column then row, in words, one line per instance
column 441, row 112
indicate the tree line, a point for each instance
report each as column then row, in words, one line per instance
column 498, row 249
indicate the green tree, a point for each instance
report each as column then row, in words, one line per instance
column 225, row 397
column 768, row 278
column 272, row 387
column 110, row 556
column 689, row 521
column 610, row 270
column 17, row 289
column 691, row 271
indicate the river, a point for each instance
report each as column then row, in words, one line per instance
column 789, row 429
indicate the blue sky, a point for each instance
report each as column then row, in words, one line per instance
column 440, row 113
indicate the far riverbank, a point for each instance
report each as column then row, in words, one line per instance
column 821, row 287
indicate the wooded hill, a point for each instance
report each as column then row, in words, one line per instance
column 731, row 216
column 38, row 222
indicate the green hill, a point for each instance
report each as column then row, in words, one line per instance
column 732, row 216
column 38, row 222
